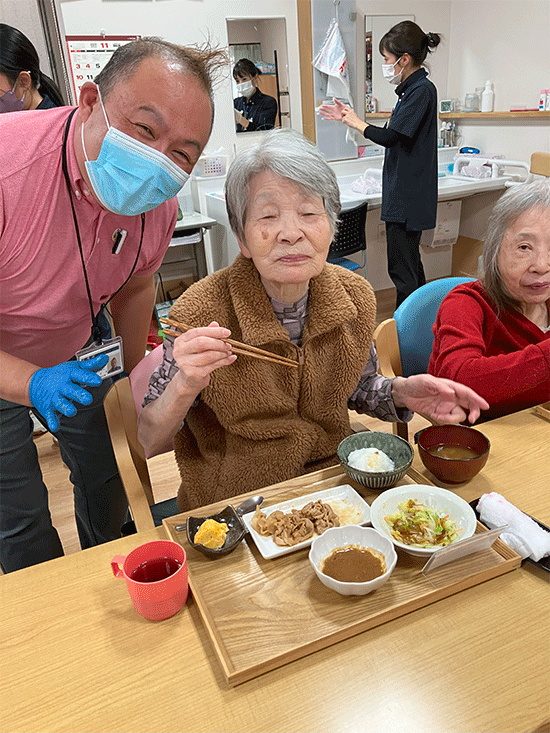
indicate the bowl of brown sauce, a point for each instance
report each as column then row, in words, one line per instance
column 352, row 560
column 453, row 453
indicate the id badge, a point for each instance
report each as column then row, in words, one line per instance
column 113, row 349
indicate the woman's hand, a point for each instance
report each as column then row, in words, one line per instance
column 442, row 400
column 198, row 352
column 341, row 113
column 240, row 119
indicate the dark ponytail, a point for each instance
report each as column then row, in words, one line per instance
column 48, row 87
column 17, row 54
column 408, row 37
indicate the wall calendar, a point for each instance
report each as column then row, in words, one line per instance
column 88, row 55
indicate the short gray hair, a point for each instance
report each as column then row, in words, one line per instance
column 202, row 62
column 286, row 153
column 519, row 199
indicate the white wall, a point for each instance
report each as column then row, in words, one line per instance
column 24, row 16
column 188, row 22
column 431, row 15
column 507, row 42
column 273, row 38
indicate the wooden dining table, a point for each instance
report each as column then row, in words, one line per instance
column 519, row 458
column 77, row 657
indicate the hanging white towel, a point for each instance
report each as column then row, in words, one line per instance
column 332, row 61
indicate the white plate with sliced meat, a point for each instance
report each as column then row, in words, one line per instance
column 344, row 501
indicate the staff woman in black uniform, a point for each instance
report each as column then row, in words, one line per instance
column 409, row 177
column 22, row 84
column 254, row 110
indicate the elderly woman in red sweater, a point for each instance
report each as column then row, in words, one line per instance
column 494, row 334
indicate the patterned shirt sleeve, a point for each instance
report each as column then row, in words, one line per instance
column 163, row 374
column 373, row 395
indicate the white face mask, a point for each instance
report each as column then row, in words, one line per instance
column 245, row 89
column 388, row 72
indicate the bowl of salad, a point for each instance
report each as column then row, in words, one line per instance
column 421, row 519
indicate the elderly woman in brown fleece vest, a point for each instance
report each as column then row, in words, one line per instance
column 238, row 423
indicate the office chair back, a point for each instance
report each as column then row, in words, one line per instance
column 414, row 320
column 350, row 238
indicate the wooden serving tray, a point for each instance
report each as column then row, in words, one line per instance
column 261, row 614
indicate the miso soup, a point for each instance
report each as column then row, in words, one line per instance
column 452, row 452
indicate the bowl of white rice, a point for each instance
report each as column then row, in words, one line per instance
column 375, row 460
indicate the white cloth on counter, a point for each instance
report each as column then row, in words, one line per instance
column 523, row 535
column 366, row 185
column 475, row 171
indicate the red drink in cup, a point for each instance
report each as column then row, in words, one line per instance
column 156, row 578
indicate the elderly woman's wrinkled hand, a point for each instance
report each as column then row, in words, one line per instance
column 198, row 352
column 441, row 400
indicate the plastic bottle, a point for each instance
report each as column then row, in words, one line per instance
column 487, row 98
column 547, row 107
column 471, row 102
column 542, row 99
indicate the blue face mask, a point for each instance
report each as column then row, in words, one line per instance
column 130, row 177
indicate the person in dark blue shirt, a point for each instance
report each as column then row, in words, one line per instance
column 254, row 110
column 409, row 177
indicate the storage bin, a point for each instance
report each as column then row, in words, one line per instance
column 210, row 165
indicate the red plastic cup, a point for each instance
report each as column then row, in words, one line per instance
column 156, row 578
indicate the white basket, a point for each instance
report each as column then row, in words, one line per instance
column 210, row 166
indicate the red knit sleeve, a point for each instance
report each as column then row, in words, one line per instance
column 501, row 359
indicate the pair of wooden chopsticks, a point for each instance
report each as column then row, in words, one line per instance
column 236, row 346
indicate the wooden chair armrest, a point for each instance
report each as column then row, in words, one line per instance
column 387, row 347
column 139, row 495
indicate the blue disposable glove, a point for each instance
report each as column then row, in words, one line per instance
column 51, row 389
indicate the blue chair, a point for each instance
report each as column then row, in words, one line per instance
column 414, row 320
column 404, row 342
column 350, row 238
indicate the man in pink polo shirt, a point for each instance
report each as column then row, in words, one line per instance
column 87, row 210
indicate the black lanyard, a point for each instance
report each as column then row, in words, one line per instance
column 96, row 329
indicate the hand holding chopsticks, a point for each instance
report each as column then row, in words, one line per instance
column 236, row 346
